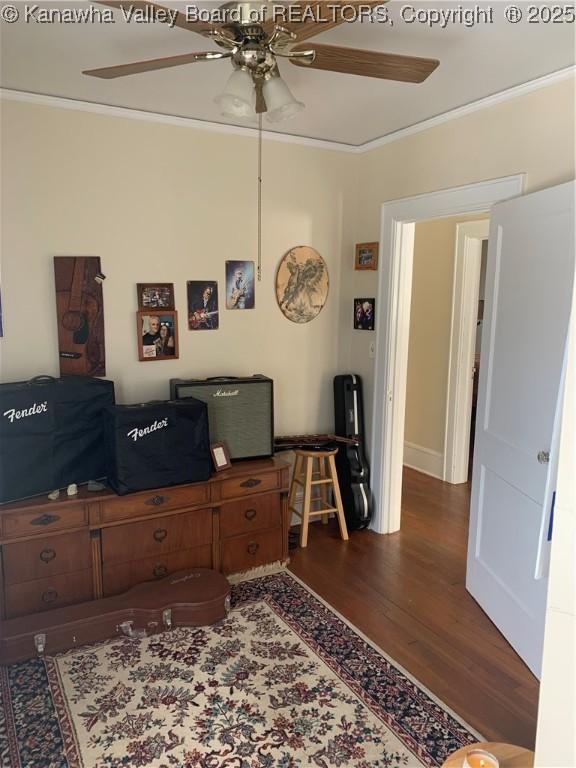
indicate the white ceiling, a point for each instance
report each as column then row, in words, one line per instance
column 475, row 62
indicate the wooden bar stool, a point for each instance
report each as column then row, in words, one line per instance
column 306, row 476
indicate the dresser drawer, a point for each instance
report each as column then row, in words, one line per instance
column 18, row 524
column 119, row 578
column 243, row 552
column 45, row 594
column 48, row 556
column 253, row 513
column 245, row 486
column 151, row 538
column 137, row 505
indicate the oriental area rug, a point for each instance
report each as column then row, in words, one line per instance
column 283, row 681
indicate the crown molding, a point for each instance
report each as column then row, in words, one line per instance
column 156, row 117
column 284, row 138
column 468, row 109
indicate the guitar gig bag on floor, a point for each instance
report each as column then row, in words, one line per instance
column 157, row 444
column 351, row 463
column 51, row 434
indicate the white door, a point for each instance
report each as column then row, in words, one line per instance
column 528, row 295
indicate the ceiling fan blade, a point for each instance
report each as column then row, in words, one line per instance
column 310, row 19
column 162, row 14
column 109, row 73
column 355, row 61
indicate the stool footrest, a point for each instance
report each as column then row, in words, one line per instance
column 323, row 511
column 327, row 481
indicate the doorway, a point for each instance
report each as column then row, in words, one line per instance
column 477, row 349
column 467, row 313
column 443, row 345
column 395, row 281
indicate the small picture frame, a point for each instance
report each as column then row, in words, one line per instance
column 155, row 296
column 220, row 456
column 157, row 335
column 364, row 314
column 203, row 309
column 366, row 256
column 239, row 285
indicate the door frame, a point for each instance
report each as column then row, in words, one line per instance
column 398, row 219
column 467, row 262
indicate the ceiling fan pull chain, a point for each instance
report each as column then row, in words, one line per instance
column 259, row 196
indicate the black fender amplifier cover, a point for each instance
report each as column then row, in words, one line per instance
column 155, row 444
column 51, row 433
column 240, row 411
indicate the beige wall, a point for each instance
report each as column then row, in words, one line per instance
column 171, row 204
column 532, row 134
column 430, row 320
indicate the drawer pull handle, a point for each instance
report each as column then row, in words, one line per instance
column 49, row 596
column 250, row 514
column 253, row 547
column 160, row 534
column 160, row 571
column 45, row 519
column 47, row 554
column 156, row 501
column 250, row 483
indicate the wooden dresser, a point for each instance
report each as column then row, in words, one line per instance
column 57, row 553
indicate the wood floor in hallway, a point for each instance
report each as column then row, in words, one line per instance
column 406, row 592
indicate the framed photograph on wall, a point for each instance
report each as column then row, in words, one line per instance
column 364, row 312
column 239, row 285
column 155, row 295
column 366, row 256
column 157, row 335
column 220, row 456
column 202, row 305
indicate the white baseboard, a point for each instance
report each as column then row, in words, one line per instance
column 424, row 460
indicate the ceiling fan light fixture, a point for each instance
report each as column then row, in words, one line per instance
column 279, row 100
column 238, row 99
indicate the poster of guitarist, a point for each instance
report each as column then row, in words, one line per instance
column 239, row 285
column 202, row 305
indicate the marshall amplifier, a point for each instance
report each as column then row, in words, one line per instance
column 240, row 412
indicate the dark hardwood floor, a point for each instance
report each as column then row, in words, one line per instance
column 406, row 592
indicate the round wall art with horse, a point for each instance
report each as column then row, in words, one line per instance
column 302, row 284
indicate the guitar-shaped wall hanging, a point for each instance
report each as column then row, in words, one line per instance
column 80, row 312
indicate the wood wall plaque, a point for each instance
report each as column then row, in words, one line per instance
column 80, row 312
column 301, row 284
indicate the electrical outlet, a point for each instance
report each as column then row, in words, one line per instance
column 372, row 350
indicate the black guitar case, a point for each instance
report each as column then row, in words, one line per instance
column 351, row 463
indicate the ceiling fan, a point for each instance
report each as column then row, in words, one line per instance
column 254, row 40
